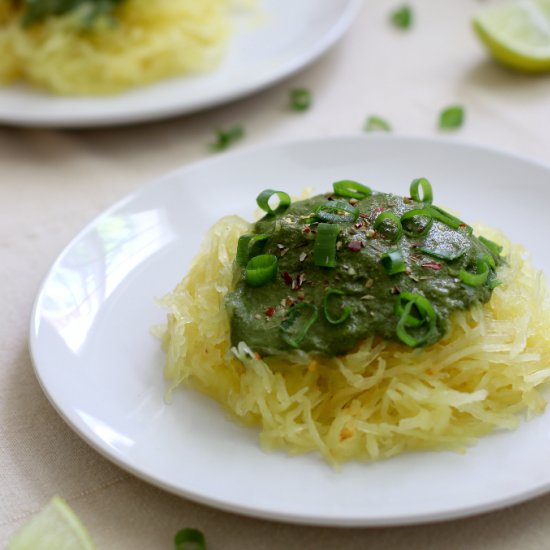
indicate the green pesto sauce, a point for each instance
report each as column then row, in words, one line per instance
column 257, row 313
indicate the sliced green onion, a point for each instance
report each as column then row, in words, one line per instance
column 402, row 333
column 389, row 225
column 189, row 539
column 346, row 312
column 300, row 99
column 263, row 201
column 249, row 245
column 337, row 211
column 494, row 248
column 351, row 189
column 393, row 262
column 423, row 309
column 225, row 138
column 443, row 254
column 377, row 124
column 425, row 315
column 451, row 117
column 476, row 279
column 324, row 250
column 410, row 224
column 490, row 260
column 427, row 194
column 402, row 17
column 298, row 322
column 261, row 270
column 448, row 219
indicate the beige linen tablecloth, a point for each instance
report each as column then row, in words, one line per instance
column 53, row 182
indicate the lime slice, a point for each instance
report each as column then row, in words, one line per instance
column 56, row 527
column 517, row 33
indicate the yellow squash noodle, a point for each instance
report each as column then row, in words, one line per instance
column 384, row 398
column 146, row 42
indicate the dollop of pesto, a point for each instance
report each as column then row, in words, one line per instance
column 330, row 310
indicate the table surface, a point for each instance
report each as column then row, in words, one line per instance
column 53, row 182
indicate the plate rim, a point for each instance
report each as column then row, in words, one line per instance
column 464, row 511
column 336, row 32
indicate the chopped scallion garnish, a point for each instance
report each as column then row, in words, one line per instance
column 346, row 311
column 417, row 222
column 377, row 124
column 300, row 99
column 448, row 219
column 249, row 246
column 416, row 312
column 402, row 17
column 263, row 201
column 225, row 138
column 494, row 248
column 393, row 262
column 451, row 117
column 443, row 253
column 324, row 250
column 389, row 226
column 189, row 539
column 427, row 195
column 351, row 189
column 478, row 278
column 337, row 211
column 299, row 320
column 261, row 270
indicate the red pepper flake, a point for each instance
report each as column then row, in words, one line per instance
column 364, row 216
column 432, row 265
column 355, row 246
column 463, row 226
column 378, row 210
column 287, row 278
column 358, row 225
column 269, row 311
column 306, row 229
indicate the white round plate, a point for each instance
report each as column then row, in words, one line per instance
column 287, row 35
column 101, row 368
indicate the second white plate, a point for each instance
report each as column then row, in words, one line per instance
column 290, row 35
column 102, row 370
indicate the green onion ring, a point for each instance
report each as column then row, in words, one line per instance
column 351, row 189
column 337, row 211
column 393, row 262
column 346, row 312
column 261, row 270
column 324, row 249
column 293, row 332
column 422, row 212
column 247, row 245
column 189, row 539
column 423, row 306
column 402, row 326
column 382, row 219
column 427, row 194
column 480, row 277
column 263, row 201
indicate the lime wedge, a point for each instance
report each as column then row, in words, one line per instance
column 517, row 34
column 56, row 527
